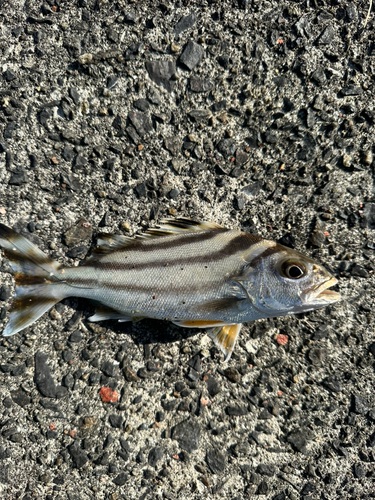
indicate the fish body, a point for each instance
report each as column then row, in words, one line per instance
column 195, row 274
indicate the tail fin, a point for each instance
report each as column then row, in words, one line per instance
column 37, row 284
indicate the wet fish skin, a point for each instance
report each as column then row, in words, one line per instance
column 195, row 274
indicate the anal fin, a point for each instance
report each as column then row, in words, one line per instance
column 103, row 313
column 225, row 338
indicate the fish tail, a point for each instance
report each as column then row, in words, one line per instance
column 38, row 284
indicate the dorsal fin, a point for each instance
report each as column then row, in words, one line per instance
column 108, row 242
column 180, row 225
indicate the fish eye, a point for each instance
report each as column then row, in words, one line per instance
column 293, row 270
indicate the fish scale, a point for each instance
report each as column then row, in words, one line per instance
column 196, row 274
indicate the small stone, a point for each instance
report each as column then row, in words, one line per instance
column 161, row 72
column 141, row 122
column 236, row 411
column 173, row 194
column 43, row 378
column 116, row 421
column 109, row 368
column 227, row 147
column 121, row 479
column 78, row 233
column 73, row 92
column 21, row 398
column 18, row 178
column 359, row 271
column 360, row 404
column 188, row 434
column 5, row 293
column 85, row 59
column 78, row 456
column 266, row 470
column 351, row 90
column 185, row 23
column 333, row 384
column 327, row 36
column 299, row 439
column 154, row 456
column 173, row 145
column 346, row 161
column 192, row 55
column 141, row 190
column 359, row 471
column 141, row 104
column 112, row 82
column 232, row 374
column 9, row 75
column 215, row 460
column 213, row 386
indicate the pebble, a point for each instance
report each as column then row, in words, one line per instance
column 161, row 72
column 360, row 404
column 192, row 55
column 154, row 456
column 43, row 378
column 215, row 460
column 188, row 435
column 78, row 233
column 233, row 375
column 78, row 456
column 185, row 23
column 121, row 479
column 5, row 293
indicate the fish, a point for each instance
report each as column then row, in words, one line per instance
column 195, row 274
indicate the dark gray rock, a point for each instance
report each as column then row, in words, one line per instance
column 78, row 456
column 201, row 85
column 5, row 293
column 161, row 72
column 188, row 434
column 121, row 479
column 116, row 421
column 142, row 104
column 185, row 23
column 154, row 456
column 192, row 55
column 215, row 460
column 43, row 378
column 141, row 122
column 299, row 439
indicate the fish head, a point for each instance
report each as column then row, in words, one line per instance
column 284, row 281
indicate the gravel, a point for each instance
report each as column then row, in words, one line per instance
column 256, row 115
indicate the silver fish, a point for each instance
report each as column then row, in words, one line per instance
column 195, row 274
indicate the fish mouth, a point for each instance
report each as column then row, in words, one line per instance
column 321, row 293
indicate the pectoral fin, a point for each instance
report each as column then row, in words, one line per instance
column 225, row 338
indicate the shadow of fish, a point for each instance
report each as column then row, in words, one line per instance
column 195, row 274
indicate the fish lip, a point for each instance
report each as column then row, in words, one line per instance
column 320, row 293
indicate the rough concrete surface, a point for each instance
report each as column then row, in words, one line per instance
column 258, row 115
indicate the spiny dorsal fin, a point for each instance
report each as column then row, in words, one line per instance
column 108, row 242
column 180, row 225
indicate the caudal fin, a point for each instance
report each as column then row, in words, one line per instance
column 38, row 286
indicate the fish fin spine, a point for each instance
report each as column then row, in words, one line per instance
column 225, row 338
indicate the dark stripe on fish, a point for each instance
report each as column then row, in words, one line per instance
column 239, row 244
column 267, row 252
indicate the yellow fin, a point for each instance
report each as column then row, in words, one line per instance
column 199, row 323
column 225, row 338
